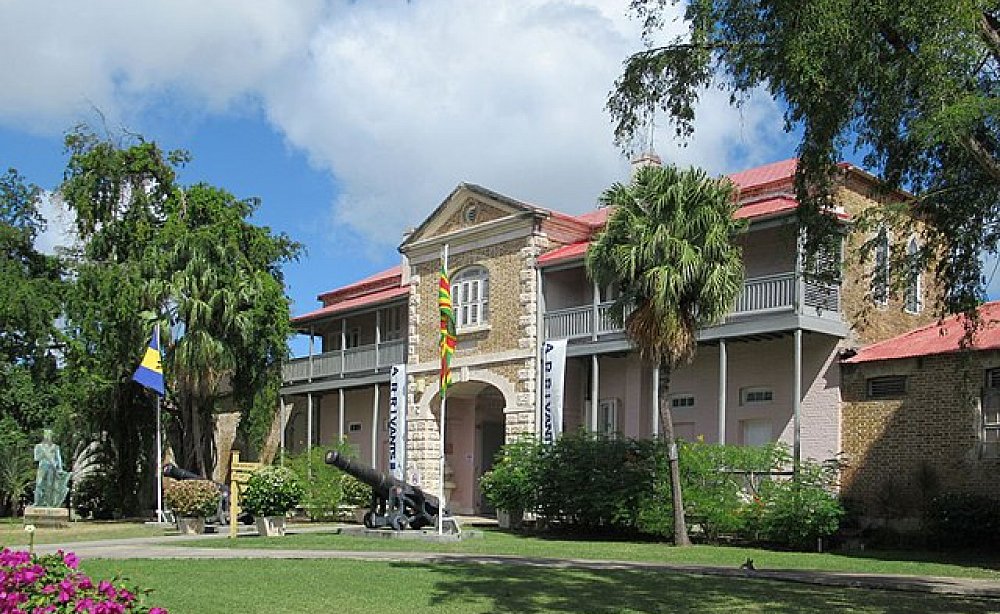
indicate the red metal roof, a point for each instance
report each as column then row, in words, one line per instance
column 380, row 280
column 764, row 175
column 566, row 253
column 766, row 206
column 365, row 300
column 936, row 338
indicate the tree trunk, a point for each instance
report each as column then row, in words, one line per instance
column 667, row 420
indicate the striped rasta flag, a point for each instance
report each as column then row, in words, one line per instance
column 448, row 338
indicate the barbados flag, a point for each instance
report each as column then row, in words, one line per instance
column 150, row 372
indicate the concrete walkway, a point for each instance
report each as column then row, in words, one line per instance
column 186, row 547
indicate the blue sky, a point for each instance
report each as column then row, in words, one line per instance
column 351, row 121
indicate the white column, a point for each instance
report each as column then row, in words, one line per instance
column 797, row 401
column 309, row 422
column 343, row 344
column 340, row 421
column 723, row 360
column 595, row 312
column 375, row 428
column 311, row 341
column 595, row 390
column 656, row 401
column 378, row 336
column 281, row 429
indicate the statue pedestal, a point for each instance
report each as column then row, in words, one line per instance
column 51, row 517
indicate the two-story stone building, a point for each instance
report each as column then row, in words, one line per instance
column 768, row 372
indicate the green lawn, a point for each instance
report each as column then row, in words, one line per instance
column 303, row 586
column 985, row 565
column 12, row 532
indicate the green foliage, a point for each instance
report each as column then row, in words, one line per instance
column 669, row 247
column 512, row 484
column 356, row 492
column 964, row 519
column 324, row 485
column 193, row 498
column 94, row 496
column 16, row 469
column 910, row 85
column 272, row 491
column 797, row 512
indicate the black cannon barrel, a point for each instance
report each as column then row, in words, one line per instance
column 171, row 470
column 381, row 483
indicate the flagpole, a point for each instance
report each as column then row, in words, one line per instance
column 444, row 404
column 159, row 463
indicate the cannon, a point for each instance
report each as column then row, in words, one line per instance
column 395, row 503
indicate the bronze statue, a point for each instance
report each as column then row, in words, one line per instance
column 51, row 482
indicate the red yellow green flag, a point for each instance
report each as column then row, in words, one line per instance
column 448, row 338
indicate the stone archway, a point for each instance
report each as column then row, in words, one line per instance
column 475, row 431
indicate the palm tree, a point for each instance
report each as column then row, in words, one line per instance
column 668, row 245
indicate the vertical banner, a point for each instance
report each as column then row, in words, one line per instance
column 397, row 422
column 553, row 376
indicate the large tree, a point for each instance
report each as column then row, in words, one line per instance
column 910, row 85
column 669, row 247
column 184, row 258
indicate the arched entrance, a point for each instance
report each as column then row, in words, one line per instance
column 473, row 434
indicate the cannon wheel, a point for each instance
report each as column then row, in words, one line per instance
column 369, row 520
column 398, row 523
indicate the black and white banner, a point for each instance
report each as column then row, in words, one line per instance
column 553, row 377
column 397, row 422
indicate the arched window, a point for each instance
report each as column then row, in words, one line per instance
column 914, row 300
column 470, row 293
column 880, row 277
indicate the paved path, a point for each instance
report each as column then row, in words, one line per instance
column 177, row 547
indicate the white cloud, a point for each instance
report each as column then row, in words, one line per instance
column 400, row 102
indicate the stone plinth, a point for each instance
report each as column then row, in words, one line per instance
column 51, row 517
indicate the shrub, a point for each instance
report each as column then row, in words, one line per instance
column 963, row 519
column 511, row 484
column 193, row 498
column 93, row 496
column 356, row 492
column 51, row 583
column 322, row 483
column 272, row 491
column 797, row 512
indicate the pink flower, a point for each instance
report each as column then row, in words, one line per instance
column 72, row 561
column 157, row 611
column 106, row 588
column 85, row 605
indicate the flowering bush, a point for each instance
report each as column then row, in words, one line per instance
column 272, row 491
column 51, row 584
column 193, row 498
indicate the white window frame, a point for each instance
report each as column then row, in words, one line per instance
column 393, row 323
column 470, row 297
column 682, row 401
column 913, row 299
column 747, row 392
column 989, row 409
column 607, row 417
column 880, row 277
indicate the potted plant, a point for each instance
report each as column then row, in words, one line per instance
column 511, row 485
column 191, row 501
column 269, row 494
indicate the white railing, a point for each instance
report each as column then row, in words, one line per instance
column 760, row 295
column 351, row 360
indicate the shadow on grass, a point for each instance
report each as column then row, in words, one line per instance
column 510, row 588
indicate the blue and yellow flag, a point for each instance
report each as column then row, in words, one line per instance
column 150, row 372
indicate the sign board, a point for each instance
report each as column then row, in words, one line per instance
column 239, row 474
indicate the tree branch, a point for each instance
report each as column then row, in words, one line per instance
column 985, row 159
column 989, row 29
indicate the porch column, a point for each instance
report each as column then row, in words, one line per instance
column 375, row 429
column 311, row 340
column 594, row 314
column 595, row 372
column 797, row 402
column 722, row 390
column 378, row 336
column 343, row 344
column 340, row 420
column 800, row 292
column 309, row 422
column 656, row 401
column 281, row 429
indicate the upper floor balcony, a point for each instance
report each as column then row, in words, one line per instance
column 347, row 362
column 783, row 293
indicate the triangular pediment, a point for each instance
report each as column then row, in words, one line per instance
column 467, row 206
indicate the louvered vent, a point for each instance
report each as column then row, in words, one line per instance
column 887, row 387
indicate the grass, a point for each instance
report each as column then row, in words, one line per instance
column 962, row 565
column 304, row 586
column 12, row 532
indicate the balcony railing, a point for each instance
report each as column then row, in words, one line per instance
column 760, row 296
column 349, row 362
